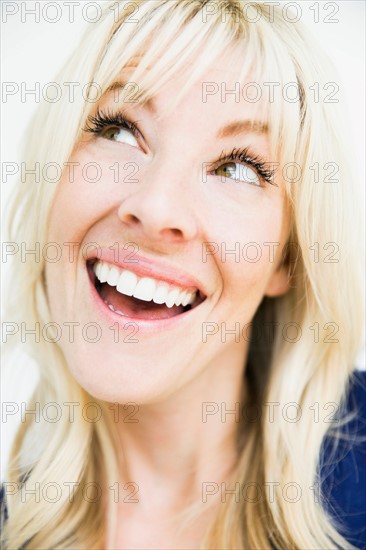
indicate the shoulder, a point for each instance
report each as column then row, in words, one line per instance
column 343, row 467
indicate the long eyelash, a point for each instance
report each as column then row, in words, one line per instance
column 95, row 124
column 244, row 156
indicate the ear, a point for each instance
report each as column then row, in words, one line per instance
column 279, row 282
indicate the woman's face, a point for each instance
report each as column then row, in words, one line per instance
column 180, row 214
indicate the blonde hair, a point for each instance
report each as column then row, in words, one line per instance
column 167, row 34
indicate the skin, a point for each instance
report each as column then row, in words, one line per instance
column 169, row 214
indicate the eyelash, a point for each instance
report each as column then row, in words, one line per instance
column 101, row 120
column 254, row 161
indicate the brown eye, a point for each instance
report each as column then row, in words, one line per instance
column 122, row 135
column 238, row 172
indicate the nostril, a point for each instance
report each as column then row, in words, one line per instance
column 131, row 218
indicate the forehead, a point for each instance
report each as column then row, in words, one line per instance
column 216, row 71
column 222, row 89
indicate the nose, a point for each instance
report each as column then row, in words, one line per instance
column 160, row 209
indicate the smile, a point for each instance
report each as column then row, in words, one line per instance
column 128, row 294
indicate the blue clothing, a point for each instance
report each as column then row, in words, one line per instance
column 343, row 476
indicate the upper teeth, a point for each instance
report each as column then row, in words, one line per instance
column 143, row 288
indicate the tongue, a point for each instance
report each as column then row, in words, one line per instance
column 133, row 307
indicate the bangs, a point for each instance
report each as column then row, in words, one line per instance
column 182, row 38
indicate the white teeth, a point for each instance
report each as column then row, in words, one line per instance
column 161, row 293
column 97, row 268
column 127, row 283
column 179, row 298
column 112, row 308
column 185, row 299
column 172, row 296
column 103, row 275
column 113, row 276
column 142, row 288
column 145, row 289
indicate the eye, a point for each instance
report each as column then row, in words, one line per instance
column 121, row 135
column 238, row 172
column 244, row 166
column 114, row 127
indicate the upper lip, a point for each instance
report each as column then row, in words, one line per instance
column 143, row 266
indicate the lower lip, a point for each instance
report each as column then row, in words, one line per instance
column 145, row 325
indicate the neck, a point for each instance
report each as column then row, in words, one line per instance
column 185, row 440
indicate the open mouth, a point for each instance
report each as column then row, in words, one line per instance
column 129, row 295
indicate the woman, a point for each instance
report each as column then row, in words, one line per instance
column 198, row 291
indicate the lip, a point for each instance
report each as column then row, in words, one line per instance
column 143, row 266
column 143, row 325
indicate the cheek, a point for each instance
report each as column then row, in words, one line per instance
column 85, row 194
column 248, row 240
column 78, row 205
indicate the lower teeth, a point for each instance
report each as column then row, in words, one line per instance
column 112, row 308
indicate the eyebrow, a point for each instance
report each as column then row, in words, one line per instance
column 120, row 85
column 242, row 126
column 232, row 129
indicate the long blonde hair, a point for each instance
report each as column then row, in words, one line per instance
column 325, row 296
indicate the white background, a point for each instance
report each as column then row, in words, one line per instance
column 34, row 51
